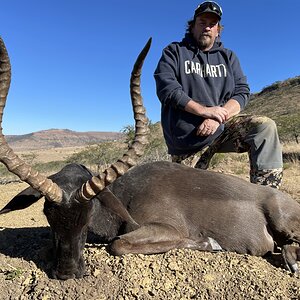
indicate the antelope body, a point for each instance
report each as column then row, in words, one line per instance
column 160, row 206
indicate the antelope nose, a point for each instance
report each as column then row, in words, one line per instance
column 61, row 276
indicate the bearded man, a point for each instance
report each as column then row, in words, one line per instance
column 202, row 90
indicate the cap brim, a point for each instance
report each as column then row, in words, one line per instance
column 207, row 12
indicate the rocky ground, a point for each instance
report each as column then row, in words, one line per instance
column 180, row 274
column 25, row 244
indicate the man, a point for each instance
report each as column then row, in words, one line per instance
column 202, row 90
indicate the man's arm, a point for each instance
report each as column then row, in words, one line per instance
column 233, row 107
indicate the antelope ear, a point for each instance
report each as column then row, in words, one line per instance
column 23, row 200
column 111, row 202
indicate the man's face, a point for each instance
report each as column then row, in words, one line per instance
column 205, row 30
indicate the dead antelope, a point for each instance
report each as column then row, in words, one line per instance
column 159, row 206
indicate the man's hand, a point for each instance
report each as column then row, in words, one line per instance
column 208, row 127
column 220, row 114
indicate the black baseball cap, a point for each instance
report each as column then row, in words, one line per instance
column 208, row 7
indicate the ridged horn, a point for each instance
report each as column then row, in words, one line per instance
column 97, row 183
column 7, row 156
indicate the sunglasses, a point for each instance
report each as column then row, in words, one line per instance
column 209, row 6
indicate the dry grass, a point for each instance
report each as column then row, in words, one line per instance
column 291, row 180
column 291, row 147
column 48, row 155
column 238, row 165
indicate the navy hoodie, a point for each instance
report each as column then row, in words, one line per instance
column 210, row 78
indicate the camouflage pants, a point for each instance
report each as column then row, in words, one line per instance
column 256, row 135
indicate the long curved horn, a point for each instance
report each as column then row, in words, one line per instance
column 7, row 156
column 97, row 183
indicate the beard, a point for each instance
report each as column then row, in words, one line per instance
column 205, row 41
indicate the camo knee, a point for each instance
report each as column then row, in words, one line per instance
column 270, row 178
column 186, row 159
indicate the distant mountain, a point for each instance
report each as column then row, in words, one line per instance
column 281, row 102
column 58, row 138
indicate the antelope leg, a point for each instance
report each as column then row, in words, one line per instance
column 158, row 238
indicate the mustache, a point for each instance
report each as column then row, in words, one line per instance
column 205, row 34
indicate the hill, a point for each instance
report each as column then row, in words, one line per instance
column 281, row 102
column 59, row 138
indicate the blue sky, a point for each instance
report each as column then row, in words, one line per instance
column 71, row 59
